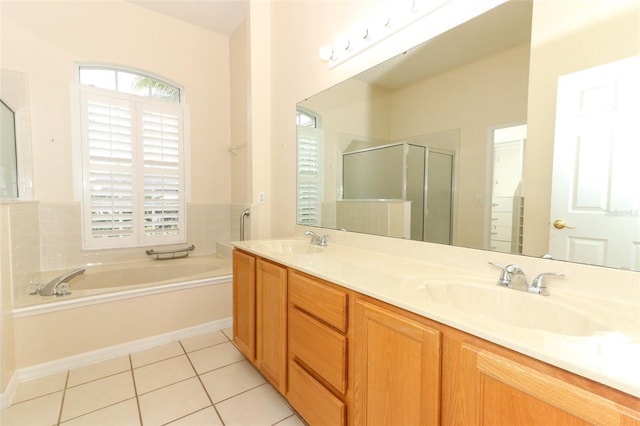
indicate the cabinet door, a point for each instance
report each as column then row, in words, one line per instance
column 482, row 387
column 271, row 322
column 397, row 369
column 244, row 303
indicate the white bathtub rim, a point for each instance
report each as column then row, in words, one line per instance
column 111, row 296
column 80, row 360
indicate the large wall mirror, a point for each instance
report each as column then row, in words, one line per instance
column 455, row 141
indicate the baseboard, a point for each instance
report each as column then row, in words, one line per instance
column 9, row 392
column 80, row 360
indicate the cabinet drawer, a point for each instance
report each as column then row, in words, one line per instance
column 319, row 347
column 325, row 303
column 313, row 401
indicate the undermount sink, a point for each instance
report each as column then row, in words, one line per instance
column 507, row 306
column 290, row 247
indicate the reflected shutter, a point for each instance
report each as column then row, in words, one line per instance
column 309, row 185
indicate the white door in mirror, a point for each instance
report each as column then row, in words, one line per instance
column 597, row 119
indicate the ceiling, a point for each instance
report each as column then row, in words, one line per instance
column 219, row 16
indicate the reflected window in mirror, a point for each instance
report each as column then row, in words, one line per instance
column 8, row 153
column 309, row 184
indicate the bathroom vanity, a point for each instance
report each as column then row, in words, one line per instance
column 355, row 337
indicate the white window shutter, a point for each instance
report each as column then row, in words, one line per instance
column 309, row 183
column 133, row 171
column 108, row 196
column 163, row 170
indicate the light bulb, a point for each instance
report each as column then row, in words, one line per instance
column 326, row 53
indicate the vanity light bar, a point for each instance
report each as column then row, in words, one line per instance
column 386, row 23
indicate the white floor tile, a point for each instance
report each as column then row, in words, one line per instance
column 98, row 370
column 204, row 340
column 257, row 407
column 206, row 417
column 172, row 402
column 231, row 380
column 213, row 357
column 39, row 411
column 156, row 354
column 97, row 394
column 122, row 413
column 291, row 421
column 40, row 387
column 228, row 332
column 163, row 373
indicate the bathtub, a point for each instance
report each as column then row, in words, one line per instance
column 101, row 282
column 126, row 275
column 121, row 307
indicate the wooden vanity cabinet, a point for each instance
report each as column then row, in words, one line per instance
column 341, row 358
column 260, row 315
column 396, row 367
column 271, row 322
column 319, row 338
column 485, row 384
column 244, row 303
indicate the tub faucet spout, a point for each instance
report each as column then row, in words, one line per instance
column 51, row 289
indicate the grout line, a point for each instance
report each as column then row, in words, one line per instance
column 64, row 394
column 204, row 387
column 135, row 389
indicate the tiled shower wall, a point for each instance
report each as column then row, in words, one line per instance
column 47, row 236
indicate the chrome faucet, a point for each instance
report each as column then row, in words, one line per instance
column 512, row 276
column 319, row 241
column 51, row 289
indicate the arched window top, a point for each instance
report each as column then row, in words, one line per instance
column 129, row 81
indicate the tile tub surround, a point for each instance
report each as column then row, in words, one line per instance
column 46, row 236
column 377, row 266
column 201, row 380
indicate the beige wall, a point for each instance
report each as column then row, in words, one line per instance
column 568, row 36
column 239, row 91
column 7, row 346
column 45, row 40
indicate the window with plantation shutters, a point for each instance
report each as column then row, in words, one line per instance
column 133, row 170
column 309, row 184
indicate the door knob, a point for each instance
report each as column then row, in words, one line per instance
column 560, row 224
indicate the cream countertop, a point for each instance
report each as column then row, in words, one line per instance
column 609, row 357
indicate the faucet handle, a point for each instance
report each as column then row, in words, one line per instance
column 538, row 284
column 505, row 276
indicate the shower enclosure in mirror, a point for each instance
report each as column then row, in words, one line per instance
column 500, row 70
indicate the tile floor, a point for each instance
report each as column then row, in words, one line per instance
column 201, row 381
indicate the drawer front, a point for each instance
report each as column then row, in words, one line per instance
column 313, row 401
column 325, row 303
column 319, row 347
